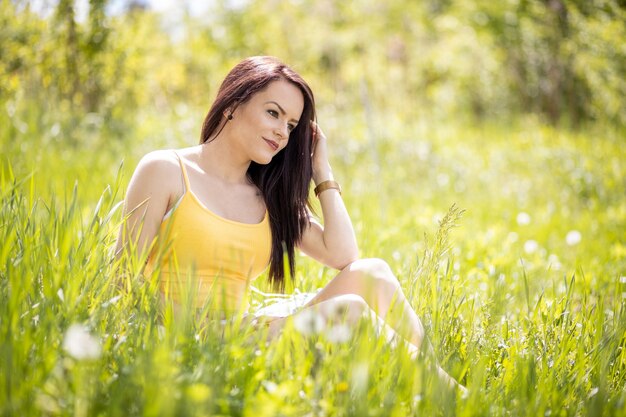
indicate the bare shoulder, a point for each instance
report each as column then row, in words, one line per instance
column 158, row 170
column 149, row 194
column 164, row 159
column 158, row 165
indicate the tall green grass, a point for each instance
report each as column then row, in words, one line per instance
column 474, row 221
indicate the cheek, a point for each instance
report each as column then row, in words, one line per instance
column 247, row 122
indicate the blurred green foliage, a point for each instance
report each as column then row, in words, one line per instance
column 513, row 110
column 564, row 60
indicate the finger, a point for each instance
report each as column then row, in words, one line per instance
column 314, row 127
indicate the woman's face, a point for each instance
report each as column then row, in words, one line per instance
column 262, row 125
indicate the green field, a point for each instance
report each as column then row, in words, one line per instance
column 505, row 226
column 526, row 312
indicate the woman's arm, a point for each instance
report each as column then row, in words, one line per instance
column 147, row 199
column 333, row 244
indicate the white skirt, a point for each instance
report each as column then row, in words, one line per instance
column 277, row 305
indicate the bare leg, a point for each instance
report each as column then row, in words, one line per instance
column 350, row 308
column 373, row 280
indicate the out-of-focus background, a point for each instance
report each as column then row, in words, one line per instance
column 508, row 109
column 513, row 110
column 117, row 74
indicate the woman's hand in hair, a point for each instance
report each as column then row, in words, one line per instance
column 320, row 164
column 332, row 243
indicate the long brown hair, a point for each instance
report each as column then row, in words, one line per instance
column 285, row 181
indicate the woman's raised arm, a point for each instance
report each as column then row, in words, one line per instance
column 333, row 244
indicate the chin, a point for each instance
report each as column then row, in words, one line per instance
column 263, row 161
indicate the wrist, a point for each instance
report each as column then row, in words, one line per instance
column 327, row 185
column 322, row 175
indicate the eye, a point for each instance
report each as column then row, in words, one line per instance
column 273, row 113
column 291, row 127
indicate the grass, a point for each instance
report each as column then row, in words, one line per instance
column 473, row 220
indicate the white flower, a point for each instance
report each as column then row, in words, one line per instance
column 530, row 246
column 573, row 237
column 309, row 322
column 523, row 219
column 338, row 333
column 111, row 301
column 270, row 386
column 80, row 344
column 554, row 262
column 622, row 280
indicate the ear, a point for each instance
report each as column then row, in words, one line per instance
column 231, row 109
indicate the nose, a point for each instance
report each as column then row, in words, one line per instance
column 282, row 131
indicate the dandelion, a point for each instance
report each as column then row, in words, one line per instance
column 342, row 386
column 80, row 344
column 270, row 386
column 111, row 301
column 338, row 333
column 554, row 262
column 309, row 322
column 523, row 219
column 531, row 246
column 573, row 237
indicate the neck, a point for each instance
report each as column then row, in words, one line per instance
column 221, row 159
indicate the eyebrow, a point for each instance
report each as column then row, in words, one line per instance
column 282, row 110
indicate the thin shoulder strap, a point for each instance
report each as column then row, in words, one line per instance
column 184, row 171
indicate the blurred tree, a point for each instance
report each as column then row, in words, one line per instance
column 546, row 45
column 68, row 77
column 562, row 59
column 94, row 49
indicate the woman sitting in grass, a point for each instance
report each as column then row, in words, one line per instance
column 227, row 208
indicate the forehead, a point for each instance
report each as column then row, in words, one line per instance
column 286, row 94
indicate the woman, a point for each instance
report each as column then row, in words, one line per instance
column 225, row 209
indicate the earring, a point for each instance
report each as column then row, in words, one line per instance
column 230, row 117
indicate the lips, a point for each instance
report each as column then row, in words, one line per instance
column 271, row 143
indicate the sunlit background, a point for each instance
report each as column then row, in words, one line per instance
column 513, row 111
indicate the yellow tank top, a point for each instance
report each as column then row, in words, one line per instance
column 205, row 259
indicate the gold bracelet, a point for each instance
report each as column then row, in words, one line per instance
column 326, row 185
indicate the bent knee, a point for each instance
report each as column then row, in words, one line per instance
column 344, row 307
column 373, row 267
